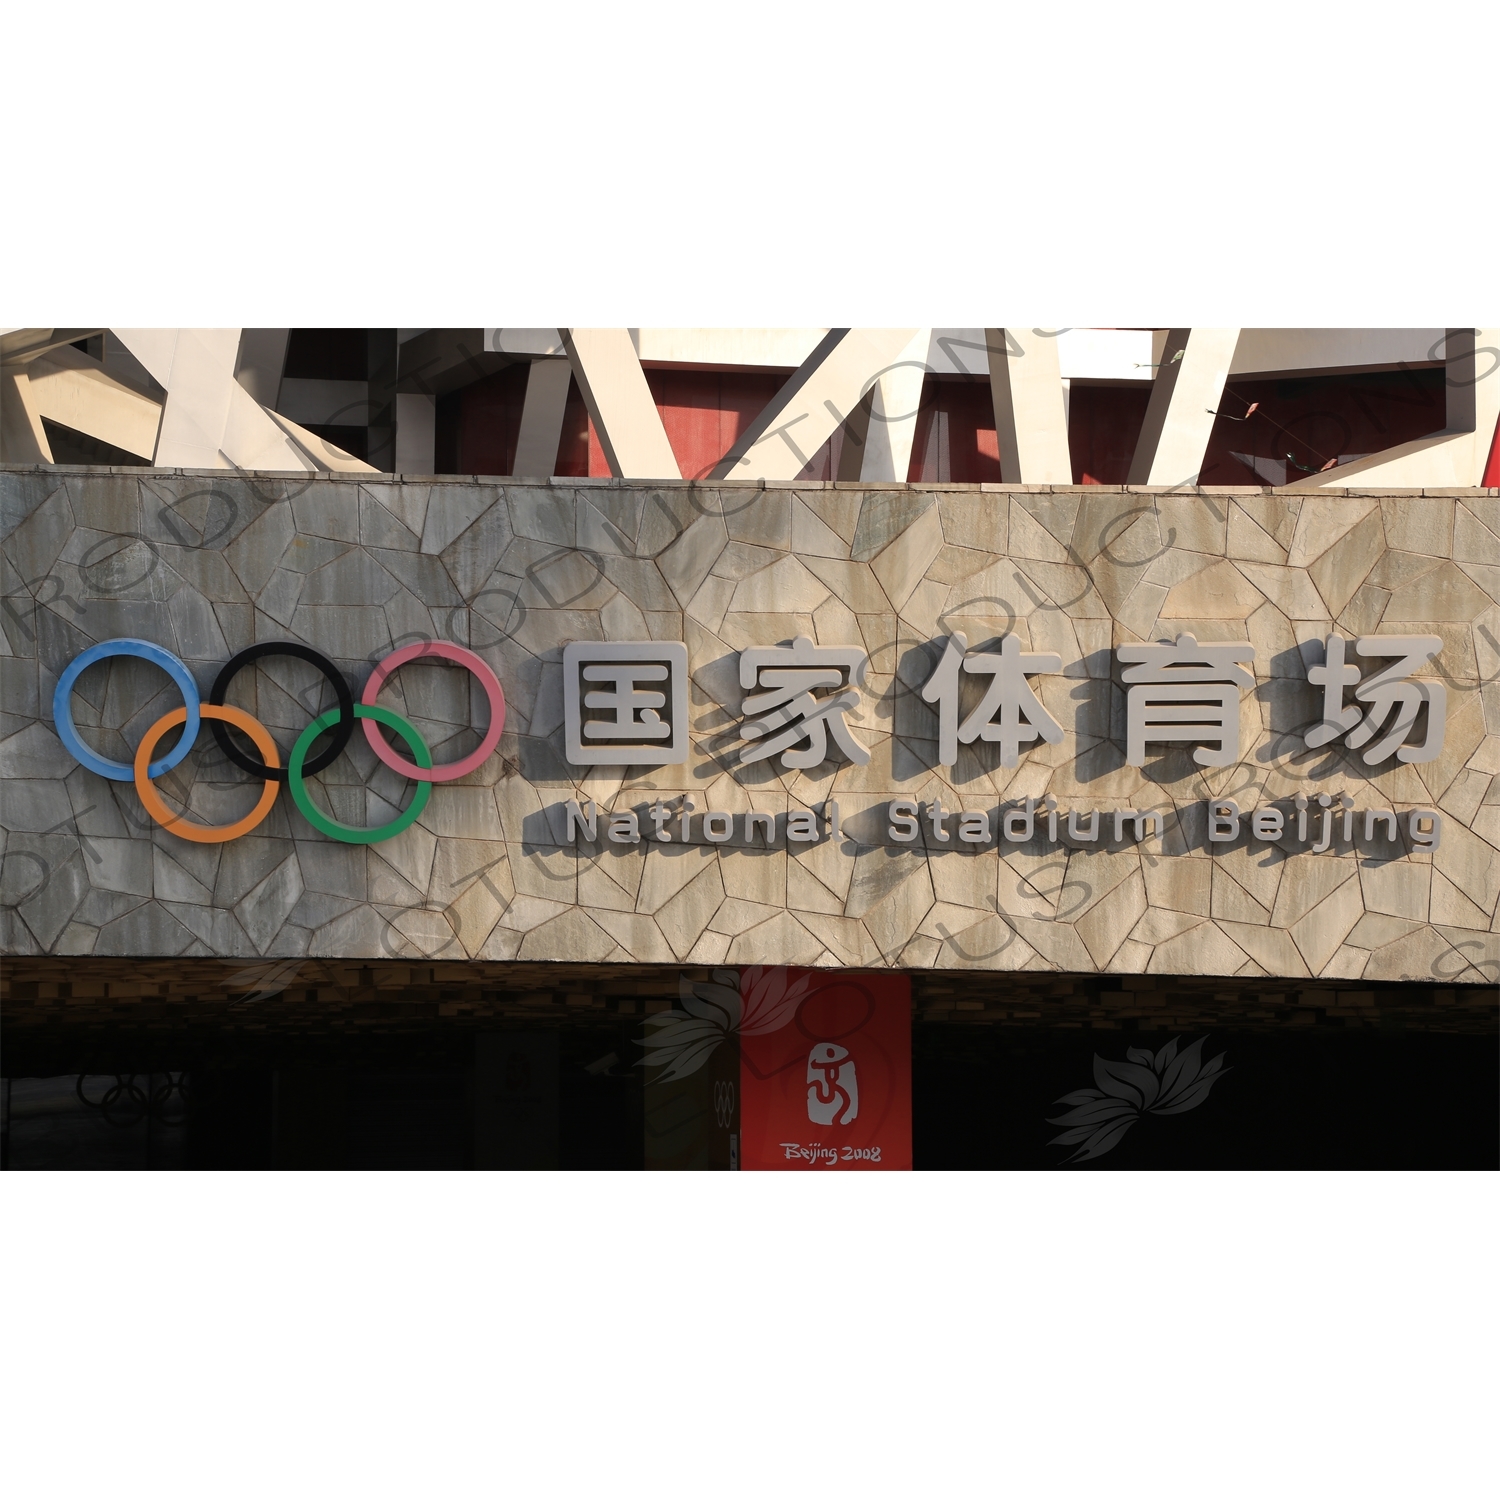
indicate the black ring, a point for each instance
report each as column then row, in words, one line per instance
column 341, row 731
column 136, row 1098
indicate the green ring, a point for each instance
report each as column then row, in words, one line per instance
column 342, row 831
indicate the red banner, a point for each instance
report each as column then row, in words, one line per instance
column 825, row 1070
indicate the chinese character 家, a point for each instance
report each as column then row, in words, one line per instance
column 784, row 717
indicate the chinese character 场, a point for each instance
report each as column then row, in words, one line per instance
column 1185, row 692
column 1390, row 695
column 625, row 703
column 784, row 715
column 1022, row 717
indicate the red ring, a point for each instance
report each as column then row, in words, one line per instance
column 448, row 652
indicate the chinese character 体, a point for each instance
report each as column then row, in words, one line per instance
column 1022, row 718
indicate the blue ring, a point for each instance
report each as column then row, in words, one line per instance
column 62, row 707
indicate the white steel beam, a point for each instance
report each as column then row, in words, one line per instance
column 893, row 414
column 614, row 388
column 19, row 345
column 1031, row 415
column 804, row 413
column 1115, row 355
column 210, row 420
column 533, row 342
column 547, row 385
column 1329, row 351
column 196, row 368
column 1184, row 400
column 152, row 348
column 262, row 358
column 319, row 453
column 23, row 439
column 416, row 433
column 75, row 390
column 727, row 348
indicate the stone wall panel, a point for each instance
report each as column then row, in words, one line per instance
column 204, row 564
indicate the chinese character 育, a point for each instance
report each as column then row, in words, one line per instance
column 625, row 703
column 1022, row 716
column 1185, row 692
column 785, row 715
column 1389, row 694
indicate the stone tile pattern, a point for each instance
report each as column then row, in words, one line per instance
column 207, row 565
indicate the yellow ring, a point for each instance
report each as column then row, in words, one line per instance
column 202, row 833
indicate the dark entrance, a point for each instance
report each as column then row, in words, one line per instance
column 173, row 1064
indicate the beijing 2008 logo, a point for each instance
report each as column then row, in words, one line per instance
column 339, row 722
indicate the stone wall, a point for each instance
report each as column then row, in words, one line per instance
column 494, row 868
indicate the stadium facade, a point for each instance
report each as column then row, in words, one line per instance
column 765, row 748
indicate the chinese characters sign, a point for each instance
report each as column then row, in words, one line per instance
column 881, row 729
column 627, row 701
column 1185, row 694
column 1394, row 699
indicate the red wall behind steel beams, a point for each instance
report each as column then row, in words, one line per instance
column 477, row 425
column 705, row 411
column 1306, row 422
column 954, row 441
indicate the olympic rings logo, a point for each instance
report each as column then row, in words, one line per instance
column 125, row 1103
column 339, row 722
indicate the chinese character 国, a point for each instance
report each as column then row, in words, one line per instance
column 1021, row 715
column 625, row 703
